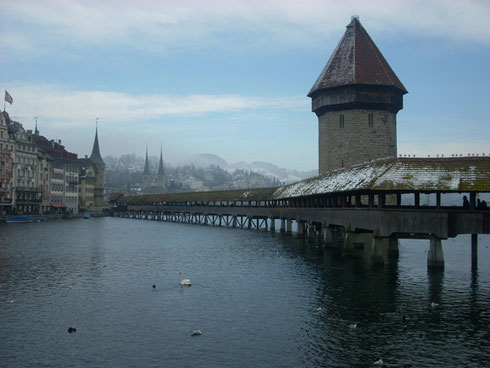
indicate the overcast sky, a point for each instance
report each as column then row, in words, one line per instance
column 231, row 77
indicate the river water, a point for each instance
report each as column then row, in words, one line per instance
column 260, row 300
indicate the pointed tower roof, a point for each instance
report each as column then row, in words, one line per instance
column 356, row 60
column 95, row 157
column 146, row 171
column 161, row 170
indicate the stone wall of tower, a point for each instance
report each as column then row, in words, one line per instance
column 355, row 138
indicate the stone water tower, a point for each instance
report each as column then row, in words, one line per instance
column 356, row 98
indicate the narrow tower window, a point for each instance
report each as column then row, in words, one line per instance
column 370, row 120
column 341, row 120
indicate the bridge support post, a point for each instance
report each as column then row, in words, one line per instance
column 474, row 251
column 393, row 247
column 379, row 249
column 289, row 229
column 282, row 224
column 301, row 229
column 234, row 221
column 273, row 224
column 435, row 256
column 249, row 219
column 347, row 246
column 311, row 231
column 326, row 235
column 359, row 244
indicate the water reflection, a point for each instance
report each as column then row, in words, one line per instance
column 261, row 300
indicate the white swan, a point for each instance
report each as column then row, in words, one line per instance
column 379, row 362
column 434, row 305
column 184, row 282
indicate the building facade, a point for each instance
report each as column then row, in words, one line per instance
column 58, row 175
column 356, row 99
column 7, row 147
column 26, row 190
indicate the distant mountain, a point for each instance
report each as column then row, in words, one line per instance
column 207, row 159
column 271, row 170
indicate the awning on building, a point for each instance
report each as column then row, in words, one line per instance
column 58, row 205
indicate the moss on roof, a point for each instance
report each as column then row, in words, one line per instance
column 403, row 174
column 437, row 174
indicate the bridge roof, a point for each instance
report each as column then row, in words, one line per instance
column 461, row 174
column 260, row 194
column 403, row 174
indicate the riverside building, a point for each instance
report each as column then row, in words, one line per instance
column 40, row 176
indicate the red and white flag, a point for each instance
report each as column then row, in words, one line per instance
column 8, row 98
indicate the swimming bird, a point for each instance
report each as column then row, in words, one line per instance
column 354, row 325
column 434, row 305
column 184, row 282
column 154, row 286
column 196, row 333
column 379, row 362
column 72, row 329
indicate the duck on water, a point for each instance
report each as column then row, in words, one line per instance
column 184, row 282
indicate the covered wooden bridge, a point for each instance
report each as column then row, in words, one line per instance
column 368, row 206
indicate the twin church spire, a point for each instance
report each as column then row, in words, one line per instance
column 161, row 170
column 153, row 183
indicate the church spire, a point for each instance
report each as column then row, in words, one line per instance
column 95, row 157
column 161, row 170
column 147, row 165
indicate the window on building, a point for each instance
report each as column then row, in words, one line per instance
column 341, row 121
column 370, row 121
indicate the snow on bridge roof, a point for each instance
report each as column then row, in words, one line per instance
column 402, row 174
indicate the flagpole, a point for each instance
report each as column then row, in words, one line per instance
column 4, row 100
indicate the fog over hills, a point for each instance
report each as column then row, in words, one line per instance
column 205, row 160
column 265, row 168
